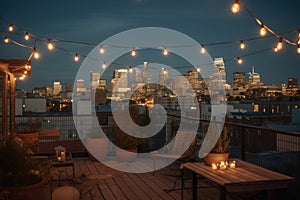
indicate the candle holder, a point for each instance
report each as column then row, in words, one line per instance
column 60, row 153
column 232, row 165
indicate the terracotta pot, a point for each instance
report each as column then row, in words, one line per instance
column 29, row 192
column 215, row 158
column 31, row 139
column 125, row 156
column 97, row 148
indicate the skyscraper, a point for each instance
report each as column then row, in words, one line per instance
column 219, row 72
column 292, row 83
column 57, row 88
column 95, row 76
column 254, row 78
column 163, row 77
column 239, row 79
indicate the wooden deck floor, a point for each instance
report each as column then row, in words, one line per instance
column 101, row 182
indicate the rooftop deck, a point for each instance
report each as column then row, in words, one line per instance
column 96, row 181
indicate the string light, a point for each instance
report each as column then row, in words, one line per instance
column 202, row 49
column 6, row 39
column 279, row 44
column 104, row 65
column 50, row 45
column 26, row 37
column 298, row 48
column 76, row 58
column 130, row 69
column 242, row 45
column 36, row 54
column 165, row 51
column 235, row 8
column 275, row 48
column 11, row 28
column 263, row 31
column 133, row 52
column 239, row 60
column 101, row 50
column 198, row 69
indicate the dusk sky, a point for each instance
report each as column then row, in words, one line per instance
column 204, row 21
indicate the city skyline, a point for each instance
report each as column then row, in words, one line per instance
column 206, row 22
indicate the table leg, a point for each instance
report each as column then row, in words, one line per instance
column 222, row 193
column 195, row 186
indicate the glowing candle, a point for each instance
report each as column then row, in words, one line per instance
column 58, row 158
column 214, row 166
column 232, row 164
column 222, row 165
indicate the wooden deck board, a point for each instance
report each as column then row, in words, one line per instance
column 110, row 184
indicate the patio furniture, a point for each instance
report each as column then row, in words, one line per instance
column 245, row 178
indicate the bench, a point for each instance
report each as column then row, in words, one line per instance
column 49, row 134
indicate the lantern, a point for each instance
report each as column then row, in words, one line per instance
column 60, row 153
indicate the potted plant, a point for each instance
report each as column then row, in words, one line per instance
column 220, row 151
column 22, row 176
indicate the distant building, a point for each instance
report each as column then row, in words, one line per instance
column 254, row 78
column 239, row 79
column 94, row 79
column 292, row 83
column 57, row 88
column 80, row 86
column 219, row 72
column 68, row 87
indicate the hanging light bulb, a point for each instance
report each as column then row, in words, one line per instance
column 11, row 28
column 298, row 48
column 239, row 60
column 104, row 65
column 130, row 69
column 76, row 58
column 165, row 52
column 242, row 45
column 198, row 69
column 275, row 48
column 133, row 52
column 50, row 45
column 26, row 37
column 36, row 54
column 6, row 39
column 279, row 44
column 202, row 49
column 101, row 50
column 263, row 31
column 235, row 8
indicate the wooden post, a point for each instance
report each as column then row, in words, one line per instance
column 4, row 102
column 243, row 144
column 12, row 99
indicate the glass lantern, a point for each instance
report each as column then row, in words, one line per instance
column 60, row 153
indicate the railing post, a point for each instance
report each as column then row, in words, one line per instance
column 243, row 144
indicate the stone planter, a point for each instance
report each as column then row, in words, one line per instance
column 125, row 156
column 97, row 148
column 215, row 158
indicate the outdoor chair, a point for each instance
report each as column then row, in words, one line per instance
column 183, row 140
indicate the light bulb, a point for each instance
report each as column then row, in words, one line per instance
column 11, row 28
column 25, row 72
column 242, row 45
column 298, row 49
column 130, row 69
column 76, row 58
column 101, row 50
column 104, row 65
column 50, row 45
column 202, row 49
column 198, row 69
column 279, row 44
column 26, row 37
column 263, row 31
column 36, row 54
column 165, row 52
column 133, row 52
column 235, row 8
column 239, row 60
column 6, row 39
column 275, row 49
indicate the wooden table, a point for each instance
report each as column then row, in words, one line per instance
column 245, row 178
